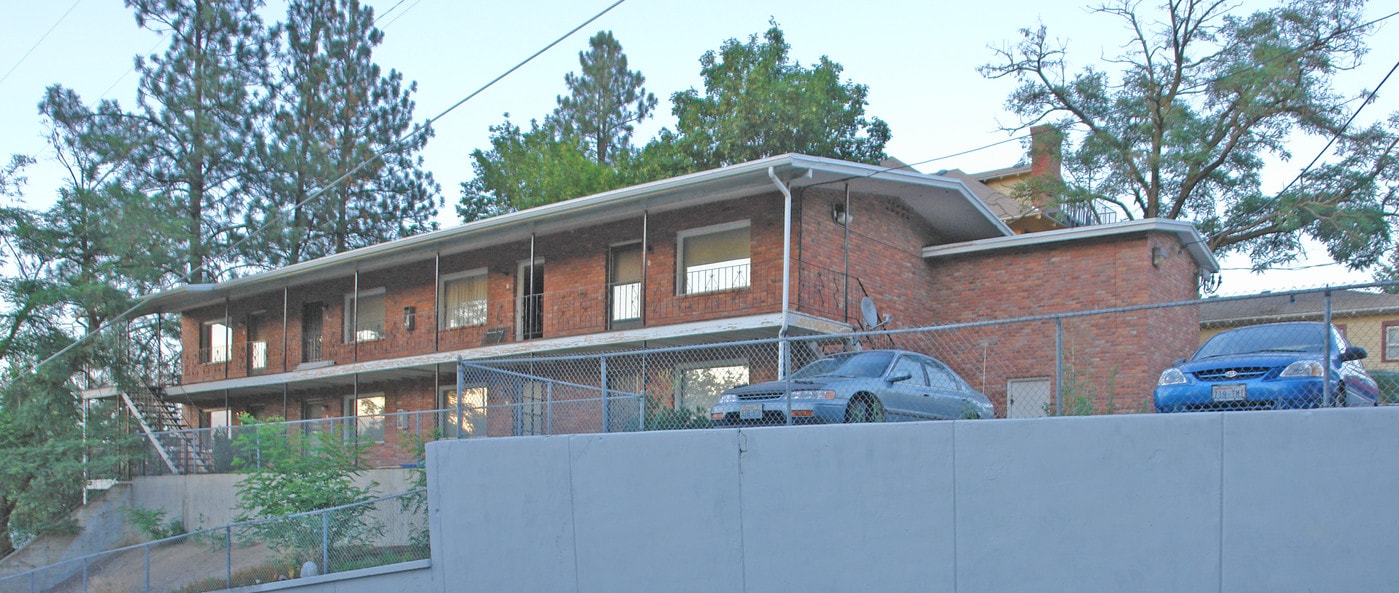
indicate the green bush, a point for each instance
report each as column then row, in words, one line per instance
column 152, row 523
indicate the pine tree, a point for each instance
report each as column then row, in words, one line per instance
column 201, row 114
column 335, row 112
column 605, row 99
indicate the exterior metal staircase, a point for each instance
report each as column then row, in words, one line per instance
column 179, row 449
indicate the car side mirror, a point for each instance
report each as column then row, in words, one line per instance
column 1353, row 353
column 901, row 376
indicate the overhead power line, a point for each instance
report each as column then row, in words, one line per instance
column 41, row 40
column 393, row 146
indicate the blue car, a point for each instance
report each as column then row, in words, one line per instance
column 1267, row 367
column 868, row 386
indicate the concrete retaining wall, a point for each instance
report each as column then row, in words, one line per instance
column 1238, row 502
column 208, row 500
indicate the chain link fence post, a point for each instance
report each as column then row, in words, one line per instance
column 1058, row 367
column 325, row 542
column 606, row 406
column 228, row 553
column 1326, row 356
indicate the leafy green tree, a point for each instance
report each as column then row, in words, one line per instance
column 201, row 112
column 336, row 109
column 524, row 169
column 605, row 99
column 1200, row 101
column 757, row 102
column 290, row 470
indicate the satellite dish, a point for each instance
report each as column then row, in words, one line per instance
column 870, row 315
column 868, row 312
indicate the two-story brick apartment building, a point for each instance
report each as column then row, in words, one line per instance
column 787, row 245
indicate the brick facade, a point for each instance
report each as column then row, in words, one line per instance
column 877, row 253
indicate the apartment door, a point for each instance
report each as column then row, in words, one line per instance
column 257, row 342
column 312, row 326
column 530, row 290
column 624, row 286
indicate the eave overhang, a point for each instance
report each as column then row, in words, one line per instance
column 1190, row 239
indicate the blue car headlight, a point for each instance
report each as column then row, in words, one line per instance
column 1171, row 376
column 728, row 398
column 1303, row 368
column 814, row 394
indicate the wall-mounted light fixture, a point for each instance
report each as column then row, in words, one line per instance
column 839, row 214
column 1158, row 256
column 402, row 419
column 409, row 318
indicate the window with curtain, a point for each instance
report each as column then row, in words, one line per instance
column 715, row 258
column 464, row 299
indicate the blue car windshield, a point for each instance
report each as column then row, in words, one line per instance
column 1301, row 337
column 850, row 364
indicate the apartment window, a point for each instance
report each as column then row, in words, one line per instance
column 215, row 341
column 365, row 322
column 1391, row 341
column 697, row 386
column 714, row 258
column 464, row 299
column 368, row 410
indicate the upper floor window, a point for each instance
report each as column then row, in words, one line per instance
column 714, row 258
column 1391, row 341
column 464, row 299
column 215, row 341
column 624, row 283
column 364, row 317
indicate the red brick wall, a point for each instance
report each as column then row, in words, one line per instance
column 1111, row 361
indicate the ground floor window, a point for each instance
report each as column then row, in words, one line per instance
column 464, row 416
column 698, row 385
column 368, row 410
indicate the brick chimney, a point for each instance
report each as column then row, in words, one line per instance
column 1046, row 147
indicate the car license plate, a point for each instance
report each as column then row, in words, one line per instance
column 750, row 412
column 1229, row 393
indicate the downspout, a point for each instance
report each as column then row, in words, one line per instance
column 786, row 273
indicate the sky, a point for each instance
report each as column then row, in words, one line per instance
column 919, row 60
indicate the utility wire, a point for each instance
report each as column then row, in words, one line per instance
column 318, row 192
column 390, row 10
column 910, row 166
column 41, row 40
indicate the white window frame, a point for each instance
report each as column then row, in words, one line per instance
column 1390, row 345
column 680, row 369
column 350, row 334
column 446, row 315
column 682, row 287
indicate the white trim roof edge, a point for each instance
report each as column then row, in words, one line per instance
column 1188, row 234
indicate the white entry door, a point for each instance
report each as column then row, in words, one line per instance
column 1028, row 398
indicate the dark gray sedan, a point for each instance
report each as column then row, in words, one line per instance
column 869, row 386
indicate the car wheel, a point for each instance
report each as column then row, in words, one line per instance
column 864, row 409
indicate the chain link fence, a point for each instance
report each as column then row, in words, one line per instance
column 379, row 532
column 1268, row 353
